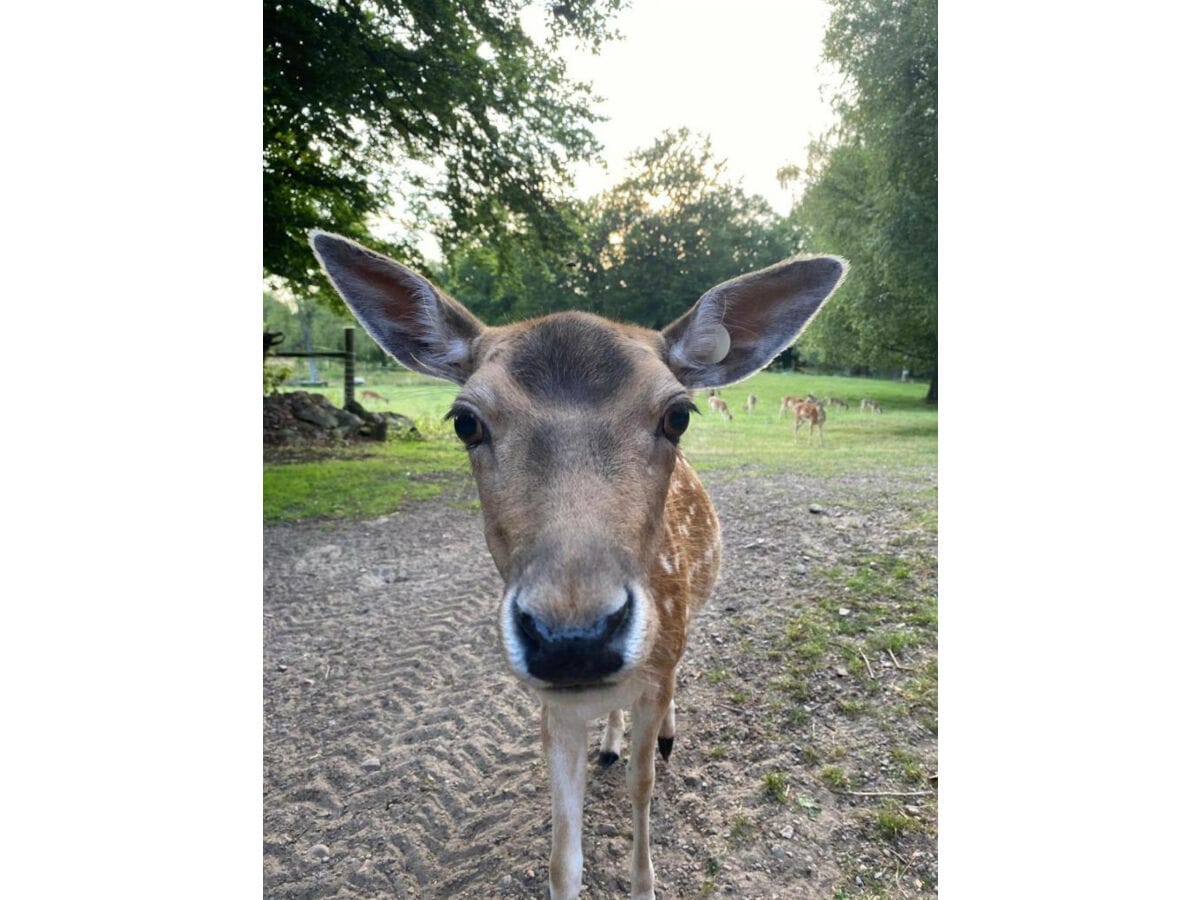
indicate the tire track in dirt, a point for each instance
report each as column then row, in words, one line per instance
column 392, row 734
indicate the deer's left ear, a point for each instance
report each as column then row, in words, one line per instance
column 739, row 326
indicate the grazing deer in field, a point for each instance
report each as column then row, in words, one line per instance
column 371, row 395
column 869, row 404
column 837, row 401
column 789, row 403
column 603, row 535
column 814, row 415
column 716, row 404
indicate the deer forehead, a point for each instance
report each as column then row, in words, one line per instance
column 570, row 366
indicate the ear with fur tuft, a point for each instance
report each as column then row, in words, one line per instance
column 739, row 326
column 407, row 316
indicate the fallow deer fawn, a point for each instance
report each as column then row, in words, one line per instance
column 869, row 404
column 813, row 413
column 603, row 535
column 837, row 401
column 372, row 395
column 751, row 402
column 716, row 404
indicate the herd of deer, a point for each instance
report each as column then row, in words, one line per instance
column 807, row 409
column 603, row 535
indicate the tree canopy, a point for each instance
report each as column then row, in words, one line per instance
column 872, row 188
column 446, row 102
column 642, row 252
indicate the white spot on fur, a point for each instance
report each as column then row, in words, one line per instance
column 666, row 564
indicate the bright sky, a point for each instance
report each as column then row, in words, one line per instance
column 746, row 72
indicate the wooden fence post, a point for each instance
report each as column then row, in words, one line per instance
column 348, row 337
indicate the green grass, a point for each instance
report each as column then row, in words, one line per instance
column 361, row 482
column 903, row 436
column 741, row 830
column 776, row 787
column 892, row 823
column 835, row 778
column 369, row 480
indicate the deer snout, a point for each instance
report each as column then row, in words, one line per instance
column 572, row 654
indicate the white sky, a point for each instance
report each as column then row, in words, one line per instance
column 746, row 72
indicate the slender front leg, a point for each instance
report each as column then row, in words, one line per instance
column 648, row 713
column 564, row 741
column 666, row 732
column 610, row 746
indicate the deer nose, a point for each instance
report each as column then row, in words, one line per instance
column 572, row 655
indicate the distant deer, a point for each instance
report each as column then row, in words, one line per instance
column 716, row 404
column 371, row 395
column 786, row 403
column 837, row 401
column 814, row 415
column 869, row 404
column 603, row 535
column 751, row 402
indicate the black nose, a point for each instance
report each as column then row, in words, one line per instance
column 571, row 655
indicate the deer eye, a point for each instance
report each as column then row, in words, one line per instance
column 675, row 422
column 469, row 429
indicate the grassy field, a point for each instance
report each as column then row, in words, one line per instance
column 368, row 480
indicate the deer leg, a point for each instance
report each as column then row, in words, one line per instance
column 610, row 745
column 648, row 713
column 666, row 732
column 564, row 741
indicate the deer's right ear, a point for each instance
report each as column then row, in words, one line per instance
column 408, row 317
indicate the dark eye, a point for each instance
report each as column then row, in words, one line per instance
column 469, row 429
column 675, row 422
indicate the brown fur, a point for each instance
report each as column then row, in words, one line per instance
column 814, row 414
column 717, row 405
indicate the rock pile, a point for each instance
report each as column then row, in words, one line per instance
column 299, row 417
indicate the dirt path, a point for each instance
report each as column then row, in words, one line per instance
column 401, row 758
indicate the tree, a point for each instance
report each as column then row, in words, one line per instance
column 450, row 102
column 521, row 278
column 872, row 189
column 642, row 252
column 672, row 230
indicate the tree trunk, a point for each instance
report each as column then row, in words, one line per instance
column 931, row 397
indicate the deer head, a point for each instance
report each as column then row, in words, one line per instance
column 572, row 425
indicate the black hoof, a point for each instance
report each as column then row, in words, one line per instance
column 607, row 758
column 664, row 747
